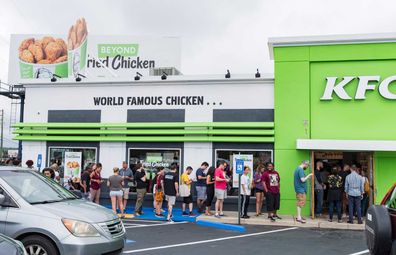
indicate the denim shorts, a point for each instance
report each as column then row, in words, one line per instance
column 118, row 193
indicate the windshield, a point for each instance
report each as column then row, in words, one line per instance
column 35, row 188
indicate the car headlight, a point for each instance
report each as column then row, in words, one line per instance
column 80, row 228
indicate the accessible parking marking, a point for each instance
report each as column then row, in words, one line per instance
column 207, row 241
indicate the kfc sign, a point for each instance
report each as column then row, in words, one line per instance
column 365, row 83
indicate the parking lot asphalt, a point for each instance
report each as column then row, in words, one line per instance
column 156, row 237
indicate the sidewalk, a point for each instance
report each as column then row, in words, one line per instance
column 287, row 220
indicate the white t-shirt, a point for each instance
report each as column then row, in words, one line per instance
column 245, row 181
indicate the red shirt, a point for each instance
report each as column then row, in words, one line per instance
column 220, row 184
column 272, row 180
column 94, row 184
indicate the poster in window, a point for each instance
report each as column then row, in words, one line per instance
column 73, row 166
column 248, row 161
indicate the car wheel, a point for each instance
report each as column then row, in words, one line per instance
column 378, row 230
column 39, row 245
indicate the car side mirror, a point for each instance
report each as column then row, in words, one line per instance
column 2, row 199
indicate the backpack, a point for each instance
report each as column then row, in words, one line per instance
column 366, row 186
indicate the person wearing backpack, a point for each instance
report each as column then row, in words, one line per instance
column 334, row 195
column 366, row 193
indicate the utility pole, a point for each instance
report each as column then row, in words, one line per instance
column 2, row 134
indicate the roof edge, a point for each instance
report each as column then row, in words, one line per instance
column 328, row 40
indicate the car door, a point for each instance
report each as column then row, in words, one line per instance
column 3, row 213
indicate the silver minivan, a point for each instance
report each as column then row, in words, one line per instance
column 50, row 220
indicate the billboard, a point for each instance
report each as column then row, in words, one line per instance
column 74, row 51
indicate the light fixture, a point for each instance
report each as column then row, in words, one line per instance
column 138, row 75
column 54, row 76
column 228, row 74
column 78, row 78
column 257, row 75
column 164, row 75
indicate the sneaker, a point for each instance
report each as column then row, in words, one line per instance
column 273, row 219
column 217, row 216
column 169, row 218
column 159, row 215
column 277, row 217
column 222, row 214
column 191, row 214
column 184, row 214
column 350, row 222
column 138, row 213
column 246, row 217
column 339, row 221
column 330, row 220
column 162, row 210
column 302, row 221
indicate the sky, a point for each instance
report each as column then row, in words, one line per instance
column 216, row 34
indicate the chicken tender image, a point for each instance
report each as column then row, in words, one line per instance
column 46, row 40
column 62, row 43
column 61, row 59
column 37, row 52
column 44, row 62
column 25, row 44
column 53, row 51
column 77, row 34
column 26, row 56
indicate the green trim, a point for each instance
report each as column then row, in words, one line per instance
column 147, row 132
column 149, row 125
column 252, row 139
column 143, row 132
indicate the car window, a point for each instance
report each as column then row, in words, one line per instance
column 35, row 188
column 8, row 202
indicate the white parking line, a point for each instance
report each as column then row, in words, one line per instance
column 209, row 241
column 360, row 252
column 161, row 224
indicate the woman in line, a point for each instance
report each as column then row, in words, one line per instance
column 96, row 180
column 115, row 183
column 210, row 190
column 259, row 189
column 158, row 191
column 334, row 195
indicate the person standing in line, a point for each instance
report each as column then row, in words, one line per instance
column 96, row 180
column 346, row 170
column 141, row 188
column 220, row 188
column 86, row 181
column 366, row 194
column 319, row 189
column 158, row 191
column 29, row 164
column 354, row 188
column 115, row 183
column 210, row 190
column 127, row 176
column 259, row 188
column 272, row 191
column 55, row 167
column 49, row 173
column 300, row 187
column 200, row 186
column 171, row 188
column 185, row 179
column 334, row 195
column 245, row 192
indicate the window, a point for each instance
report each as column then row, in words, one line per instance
column 154, row 158
column 57, row 155
column 259, row 157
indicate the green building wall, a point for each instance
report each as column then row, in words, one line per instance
column 300, row 79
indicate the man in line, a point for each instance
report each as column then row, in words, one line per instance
column 245, row 192
column 187, row 200
column 220, row 188
column 201, row 186
column 300, row 187
column 319, row 189
column 141, row 188
column 86, row 181
column 127, row 176
column 354, row 188
column 171, row 188
column 272, row 191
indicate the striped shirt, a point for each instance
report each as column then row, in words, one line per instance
column 354, row 185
